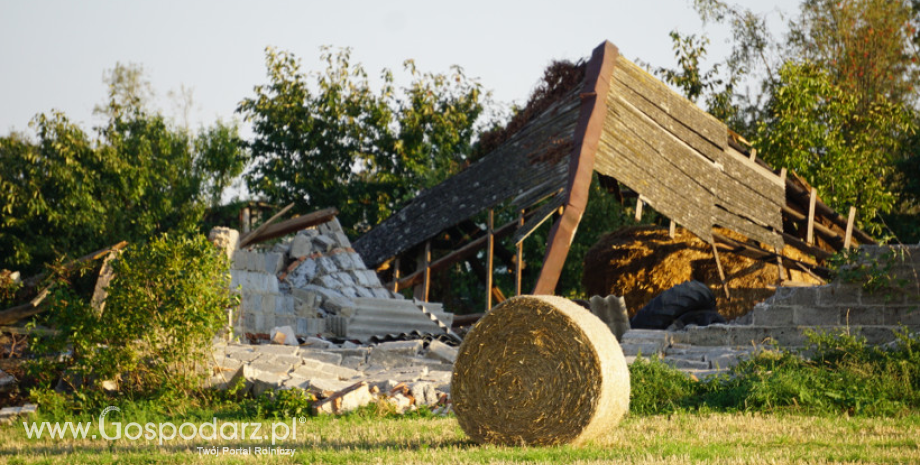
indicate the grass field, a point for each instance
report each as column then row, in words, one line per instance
column 679, row 438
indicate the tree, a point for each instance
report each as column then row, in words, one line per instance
column 837, row 106
column 327, row 139
column 69, row 193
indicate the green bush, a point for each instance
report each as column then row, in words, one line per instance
column 166, row 302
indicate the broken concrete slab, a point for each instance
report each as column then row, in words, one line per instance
column 408, row 348
column 351, row 398
column 284, row 335
column 7, row 382
column 301, row 246
column 440, row 351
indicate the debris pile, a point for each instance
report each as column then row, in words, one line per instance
column 317, row 284
column 404, row 374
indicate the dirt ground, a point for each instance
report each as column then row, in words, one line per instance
column 640, row 262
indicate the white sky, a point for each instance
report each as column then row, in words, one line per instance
column 53, row 53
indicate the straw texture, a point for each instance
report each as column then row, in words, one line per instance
column 539, row 370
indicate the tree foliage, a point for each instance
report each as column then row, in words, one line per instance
column 837, row 100
column 328, row 139
column 69, row 192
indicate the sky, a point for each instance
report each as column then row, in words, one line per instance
column 53, row 53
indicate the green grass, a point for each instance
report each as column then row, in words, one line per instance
column 678, row 438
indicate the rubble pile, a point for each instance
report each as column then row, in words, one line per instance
column 317, row 284
column 406, row 374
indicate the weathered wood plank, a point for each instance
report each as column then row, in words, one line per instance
column 512, row 171
column 625, row 117
column 616, row 159
column 745, row 226
column 672, row 103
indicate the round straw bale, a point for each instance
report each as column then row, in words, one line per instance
column 539, row 370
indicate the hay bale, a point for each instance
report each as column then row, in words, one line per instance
column 539, row 370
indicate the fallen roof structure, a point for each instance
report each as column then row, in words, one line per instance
column 627, row 125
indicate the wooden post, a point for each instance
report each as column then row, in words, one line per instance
column 779, row 265
column 848, row 238
column 810, row 234
column 715, row 254
column 244, row 219
column 424, row 264
column 519, row 260
column 639, row 203
column 753, row 154
column 672, row 229
column 396, row 274
column 490, row 249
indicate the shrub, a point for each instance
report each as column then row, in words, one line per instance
column 166, row 302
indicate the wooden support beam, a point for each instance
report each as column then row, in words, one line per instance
column 395, row 274
column 35, row 280
column 715, row 255
column 672, row 229
column 826, row 233
column 455, row 256
column 779, row 267
column 851, row 219
column 293, row 225
column 247, row 239
column 424, row 267
column 490, row 250
column 519, row 259
column 810, row 234
column 796, row 192
column 586, row 139
column 746, row 250
column 34, row 306
column 639, row 203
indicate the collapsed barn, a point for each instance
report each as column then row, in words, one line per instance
column 647, row 143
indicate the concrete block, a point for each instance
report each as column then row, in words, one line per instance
column 353, row 362
column 226, row 239
column 686, row 364
column 329, row 282
column 645, row 349
column 342, row 240
column 324, row 244
column 408, row 348
column 389, row 360
column 273, row 263
column 346, row 279
column 424, row 393
column 908, row 315
column 382, row 293
column 712, row 335
column 310, row 326
column 244, row 356
column 304, row 274
column 877, row 335
column 438, row 350
column 320, row 356
column 7, row 382
column 264, row 382
column 350, row 291
column 301, row 246
column 348, row 399
column 287, row 336
column 864, row 316
column 342, row 260
column 274, row 349
column 316, row 343
column 239, row 260
column 364, row 292
column 327, row 386
column 271, row 366
column 268, row 303
column 772, row 315
column 360, row 265
column 810, row 316
column 839, row 295
column 337, row 325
